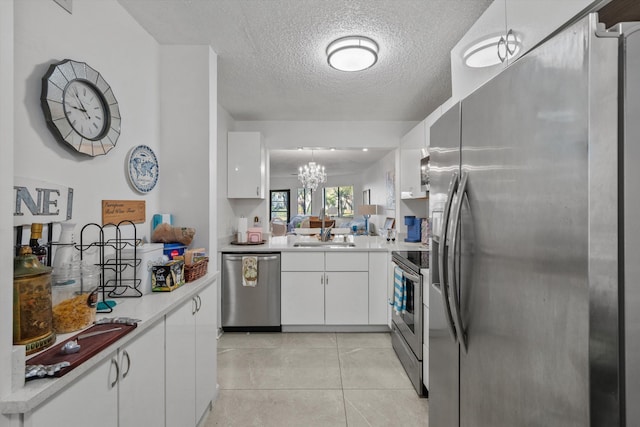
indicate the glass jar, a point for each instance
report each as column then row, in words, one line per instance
column 32, row 315
column 74, row 297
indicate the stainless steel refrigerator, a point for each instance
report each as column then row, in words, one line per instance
column 535, row 276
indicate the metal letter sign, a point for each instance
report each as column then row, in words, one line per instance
column 38, row 201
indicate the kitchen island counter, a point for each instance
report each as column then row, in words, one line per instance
column 286, row 244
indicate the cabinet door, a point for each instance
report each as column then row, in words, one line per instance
column 378, row 298
column 180, row 356
column 246, row 166
column 530, row 20
column 346, row 298
column 412, row 146
column 206, row 347
column 91, row 400
column 141, row 384
column 302, row 298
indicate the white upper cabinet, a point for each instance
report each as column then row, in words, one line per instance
column 412, row 149
column 246, row 166
column 505, row 31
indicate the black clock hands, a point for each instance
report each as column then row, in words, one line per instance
column 76, row 108
column 83, row 109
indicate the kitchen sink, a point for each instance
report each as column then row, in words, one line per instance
column 333, row 245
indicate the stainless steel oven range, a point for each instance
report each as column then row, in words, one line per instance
column 410, row 269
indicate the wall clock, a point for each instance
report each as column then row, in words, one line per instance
column 80, row 108
column 143, row 168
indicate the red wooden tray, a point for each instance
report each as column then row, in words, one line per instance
column 89, row 347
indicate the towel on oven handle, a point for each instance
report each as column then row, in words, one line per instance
column 399, row 291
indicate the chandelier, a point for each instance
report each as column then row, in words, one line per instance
column 312, row 174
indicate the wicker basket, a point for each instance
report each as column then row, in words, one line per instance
column 196, row 270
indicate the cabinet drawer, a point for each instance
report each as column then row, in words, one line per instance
column 302, row 261
column 347, row 261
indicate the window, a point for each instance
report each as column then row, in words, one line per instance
column 280, row 204
column 304, row 201
column 340, row 199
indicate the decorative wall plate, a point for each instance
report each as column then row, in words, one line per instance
column 143, row 168
column 80, row 108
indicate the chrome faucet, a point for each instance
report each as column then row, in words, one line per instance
column 325, row 233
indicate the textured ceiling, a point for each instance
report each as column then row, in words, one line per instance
column 271, row 53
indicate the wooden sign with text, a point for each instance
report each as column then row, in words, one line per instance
column 115, row 211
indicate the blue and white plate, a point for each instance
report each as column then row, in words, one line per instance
column 143, row 168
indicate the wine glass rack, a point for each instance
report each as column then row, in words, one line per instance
column 117, row 255
column 114, row 283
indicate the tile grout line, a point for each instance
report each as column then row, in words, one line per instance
column 344, row 401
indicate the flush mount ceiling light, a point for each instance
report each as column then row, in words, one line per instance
column 353, row 53
column 492, row 50
column 312, row 174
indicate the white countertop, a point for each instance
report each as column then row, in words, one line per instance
column 150, row 308
column 362, row 243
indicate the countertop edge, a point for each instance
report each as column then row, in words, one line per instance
column 363, row 244
column 150, row 308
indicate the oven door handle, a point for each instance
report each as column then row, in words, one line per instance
column 444, row 288
column 410, row 276
column 457, row 211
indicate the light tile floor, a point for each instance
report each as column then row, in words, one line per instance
column 313, row 379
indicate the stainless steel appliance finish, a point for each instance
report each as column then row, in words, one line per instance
column 407, row 328
column 527, row 288
column 444, row 363
column 630, row 227
column 247, row 308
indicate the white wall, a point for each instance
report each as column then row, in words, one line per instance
column 105, row 36
column 6, row 195
column 374, row 179
column 226, row 215
column 188, row 152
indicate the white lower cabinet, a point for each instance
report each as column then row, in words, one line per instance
column 165, row 376
column 302, row 298
column 379, row 313
column 180, row 370
column 325, row 288
column 190, row 359
column 123, row 390
column 141, row 383
column 91, row 400
column 206, row 350
column 346, row 298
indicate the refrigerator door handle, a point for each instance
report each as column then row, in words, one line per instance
column 444, row 288
column 451, row 261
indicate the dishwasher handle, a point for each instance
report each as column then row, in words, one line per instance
column 260, row 257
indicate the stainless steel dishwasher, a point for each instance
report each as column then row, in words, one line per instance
column 251, row 291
